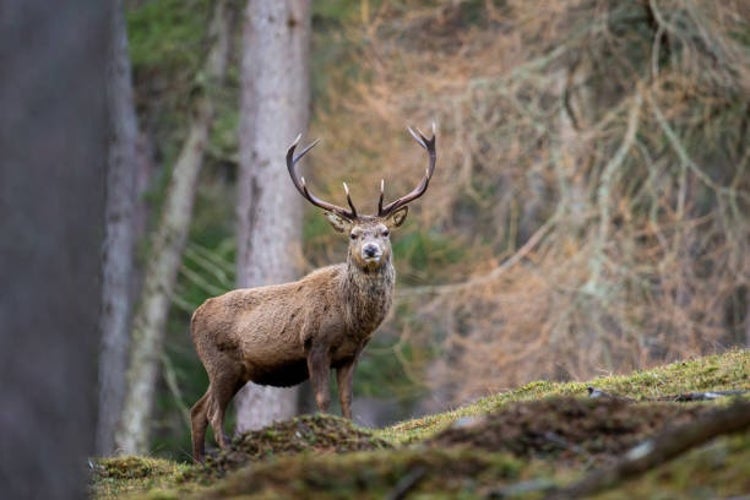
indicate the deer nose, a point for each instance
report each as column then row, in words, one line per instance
column 371, row 250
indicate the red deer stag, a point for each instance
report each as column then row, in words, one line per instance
column 280, row 335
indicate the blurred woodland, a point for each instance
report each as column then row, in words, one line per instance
column 590, row 210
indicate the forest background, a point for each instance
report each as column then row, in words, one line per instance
column 589, row 211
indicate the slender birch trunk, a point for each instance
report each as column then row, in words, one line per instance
column 167, row 247
column 119, row 241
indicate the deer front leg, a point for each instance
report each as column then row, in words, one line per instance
column 318, row 366
column 344, row 379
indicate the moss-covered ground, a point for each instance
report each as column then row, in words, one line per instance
column 512, row 444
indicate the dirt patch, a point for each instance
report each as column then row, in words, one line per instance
column 318, row 434
column 571, row 430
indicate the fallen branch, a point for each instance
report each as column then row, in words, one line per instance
column 684, row 397
column 703, row 396
column 661, row 449
column 407, row 483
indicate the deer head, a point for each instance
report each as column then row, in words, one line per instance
column 369, row 241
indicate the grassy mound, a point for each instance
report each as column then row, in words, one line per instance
column 513, row 444
column 571, row 431
column 312, row 434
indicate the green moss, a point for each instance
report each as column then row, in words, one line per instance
column 516, row 442
column 306, row 434
column 719, row 470
column 569, row 430
column 372, row 475
column 119, row 476
column 728, row 371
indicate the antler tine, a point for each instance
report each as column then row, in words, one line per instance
column 382, row 195
column 349, row 200
column 429, row 146
column 301, row 185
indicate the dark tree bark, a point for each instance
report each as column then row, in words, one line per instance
column 132, row 436
column 53, row 150
column 120, row 237
column 274, row 109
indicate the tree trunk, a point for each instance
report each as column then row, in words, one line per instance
column 167, row 247
column 274, row 109
column 53, row 139
column 119, row 240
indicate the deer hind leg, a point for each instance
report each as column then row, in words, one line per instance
column 223, row 388
column 198, row 424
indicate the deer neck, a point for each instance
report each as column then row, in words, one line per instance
column 368, row 295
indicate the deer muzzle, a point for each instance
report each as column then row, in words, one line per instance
column 372, row 252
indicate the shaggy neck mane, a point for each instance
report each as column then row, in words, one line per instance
column 368, row 295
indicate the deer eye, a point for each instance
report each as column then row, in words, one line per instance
column 353, row 236
column 385, row 233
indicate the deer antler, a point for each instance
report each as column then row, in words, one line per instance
column 429, row 146
column 383, row 211
column 299, row 183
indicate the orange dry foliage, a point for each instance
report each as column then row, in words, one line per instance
column 593, row 165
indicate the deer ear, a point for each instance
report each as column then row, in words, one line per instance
column 397, row 218
column 339, row 223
